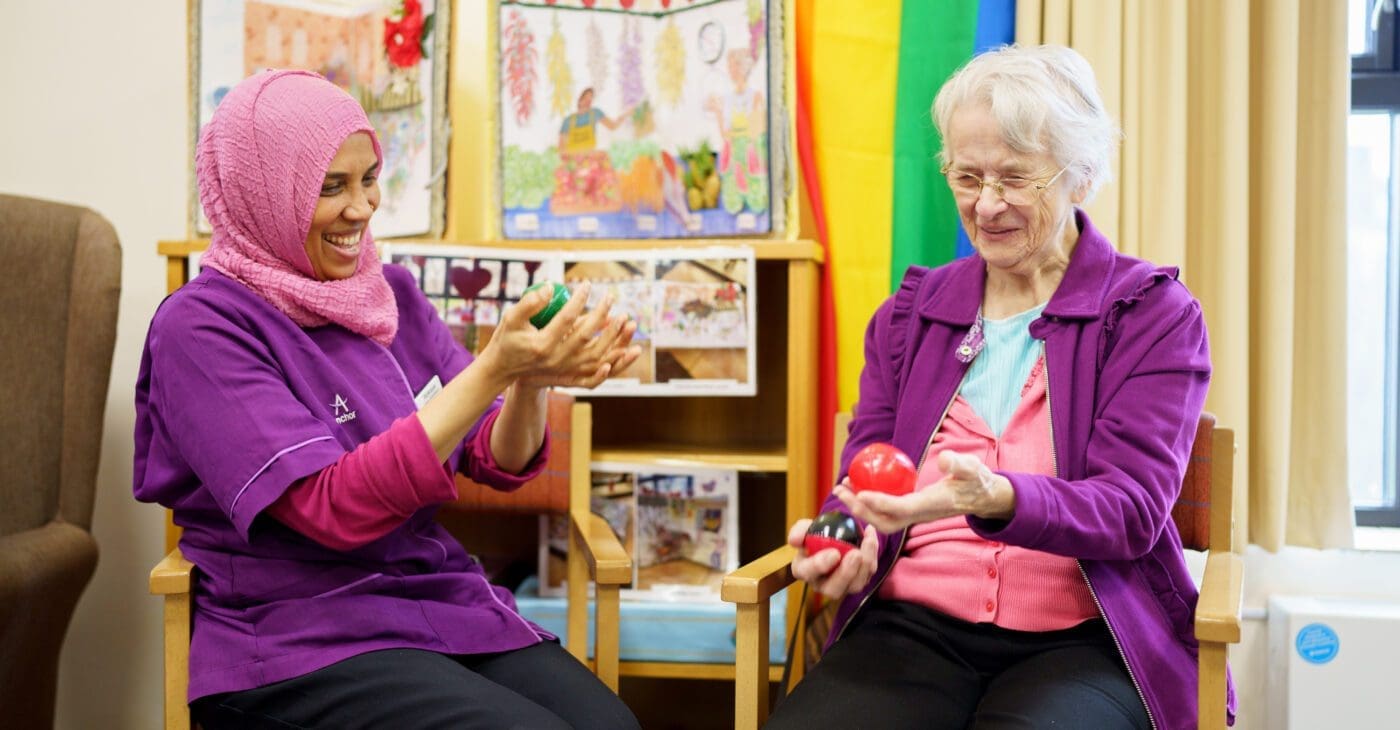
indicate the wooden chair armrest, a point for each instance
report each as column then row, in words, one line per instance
column 608, row 563
column 172, row 574
column 757, row 581
column 1218, row 613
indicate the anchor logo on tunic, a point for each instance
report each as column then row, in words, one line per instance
column 342, row 409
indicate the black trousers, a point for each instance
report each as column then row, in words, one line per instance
column 901, row 665
column 540, row 686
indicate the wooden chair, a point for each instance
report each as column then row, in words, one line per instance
column 595, row 555
column 1204, row 515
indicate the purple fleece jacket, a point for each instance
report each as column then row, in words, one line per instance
column 1128, row 366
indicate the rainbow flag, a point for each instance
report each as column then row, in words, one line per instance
column 867, row 74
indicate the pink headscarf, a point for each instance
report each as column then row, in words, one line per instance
column 260, row 164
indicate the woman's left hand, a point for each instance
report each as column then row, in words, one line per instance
column 968, row 487
column 576, row 348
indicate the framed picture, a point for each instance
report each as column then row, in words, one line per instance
column 694, row 307
column 641, row 118
column 472, row 286
column 680, row 525
column 391, row 55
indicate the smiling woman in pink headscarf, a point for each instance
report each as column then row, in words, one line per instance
column 302, row 409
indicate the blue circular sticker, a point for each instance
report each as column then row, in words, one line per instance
column 1317, row 643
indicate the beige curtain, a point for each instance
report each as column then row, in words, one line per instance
column 1233, row 167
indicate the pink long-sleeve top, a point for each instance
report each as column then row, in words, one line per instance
column 948, row 567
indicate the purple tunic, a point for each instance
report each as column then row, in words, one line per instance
column 234, row 403
column 1128, row 366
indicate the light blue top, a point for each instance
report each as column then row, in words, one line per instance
column 993, row 383
column 581, row 119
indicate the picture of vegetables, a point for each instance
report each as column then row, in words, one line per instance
column 597, row 57
column 527, row 178
column 670, row 63
column 701, row 179
column 629, row 64
column 585, row 183
column 561, row 77
column 623, row 152
column 632, row 122
column 518, row 61
column 757, row 28
column 642, row 122
column 640, row 186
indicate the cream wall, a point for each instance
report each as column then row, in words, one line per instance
column 94, row 113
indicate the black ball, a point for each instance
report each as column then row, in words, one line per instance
column 832, row 529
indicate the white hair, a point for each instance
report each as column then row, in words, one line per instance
column 1045, row 99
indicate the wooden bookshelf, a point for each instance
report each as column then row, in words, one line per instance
column 770, row 438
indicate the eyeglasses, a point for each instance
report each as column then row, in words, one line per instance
column 1014, row 190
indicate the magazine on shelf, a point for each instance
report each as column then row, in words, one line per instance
column 679, row 524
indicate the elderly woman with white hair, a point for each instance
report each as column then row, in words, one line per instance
column 1049, row 388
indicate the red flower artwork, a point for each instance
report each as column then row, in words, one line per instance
column 403, row 38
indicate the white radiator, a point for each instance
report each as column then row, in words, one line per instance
column 1332, row 663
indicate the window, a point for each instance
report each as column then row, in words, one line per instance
column 1373, row 261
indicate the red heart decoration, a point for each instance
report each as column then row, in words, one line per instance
column 627, row 4
column 469, row 282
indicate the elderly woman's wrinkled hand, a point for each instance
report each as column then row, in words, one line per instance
column 968, row 487
column 576, row 349
column 834, row 575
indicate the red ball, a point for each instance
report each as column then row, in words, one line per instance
column 832, row 530
column 883, row 468
column 814, row 544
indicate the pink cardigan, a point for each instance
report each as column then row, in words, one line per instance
column 949, row 568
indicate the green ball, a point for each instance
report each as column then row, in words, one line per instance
column 556, row 303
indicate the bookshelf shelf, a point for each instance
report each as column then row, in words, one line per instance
column 773, row 459
column 687, row 670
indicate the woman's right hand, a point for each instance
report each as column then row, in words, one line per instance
column 576, row 348
column 832, row 574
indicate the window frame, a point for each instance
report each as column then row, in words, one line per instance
column 1375, row 87
column 1381, row 42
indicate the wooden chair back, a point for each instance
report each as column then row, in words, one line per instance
column 546, row 493
column 1204, row 512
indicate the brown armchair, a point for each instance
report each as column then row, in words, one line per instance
column 58, row 324
column 595, row 555
column 1204, row 515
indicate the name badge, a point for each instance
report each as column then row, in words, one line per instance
column 430, row 390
